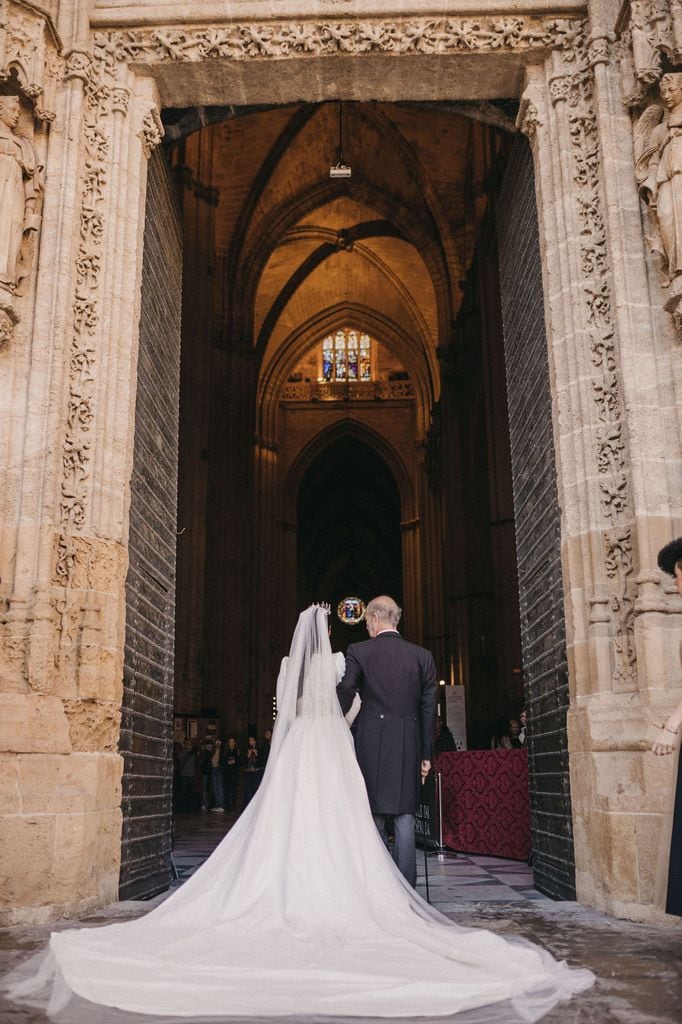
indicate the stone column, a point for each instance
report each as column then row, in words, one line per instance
column 432, row 597
column 615, row 499
column 288, row 582
column 412, row 576
column 267, row 580
column 646, row 42
column 62, row 635
column 42, row 834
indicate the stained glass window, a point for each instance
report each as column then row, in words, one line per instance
column 347, row 355
column 365, row 361
column 351, row 610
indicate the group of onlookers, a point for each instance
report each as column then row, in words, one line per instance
column 207, row 772
column 510, row 733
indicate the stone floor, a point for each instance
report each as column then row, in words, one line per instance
column 639, row 967
column 451, row 879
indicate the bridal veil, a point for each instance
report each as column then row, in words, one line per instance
column 299, row 911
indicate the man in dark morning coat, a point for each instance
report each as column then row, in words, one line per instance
column 397, row 684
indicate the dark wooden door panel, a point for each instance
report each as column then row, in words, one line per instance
column 146, row 728
column 537, row 523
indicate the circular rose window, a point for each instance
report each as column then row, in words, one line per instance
column 351, row 610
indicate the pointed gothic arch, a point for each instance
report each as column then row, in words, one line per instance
column 417, row 357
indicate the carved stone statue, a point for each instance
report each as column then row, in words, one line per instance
column 20, row 198
column 658, row 150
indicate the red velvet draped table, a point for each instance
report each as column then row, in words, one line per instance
column 486, row 806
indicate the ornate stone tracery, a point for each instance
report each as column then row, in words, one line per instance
column 572, row 88
column 281, row 40
column 652, row 30
column 78, row 65
column 105, row 99
column 29, row 67
column 658, row 151
column 80, row 413
column 30, row 48
column 650, row 48
column 151, row 132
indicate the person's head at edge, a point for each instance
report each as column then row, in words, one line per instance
column 382, row 613
column 670, row 561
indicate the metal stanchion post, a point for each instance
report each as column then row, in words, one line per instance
column 439, row 790
column 426, row 875
column 439, row 798
column 173, row 868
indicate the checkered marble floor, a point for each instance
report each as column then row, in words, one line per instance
column 469, row 878
column 453, row 878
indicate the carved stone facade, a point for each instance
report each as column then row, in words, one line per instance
column 282, row 39
column 598, row 102
column 650, row 52
column 29, row 71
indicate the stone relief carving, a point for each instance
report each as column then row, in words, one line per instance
column 652, row 28
column 152, row 131
column 120, row 98
column 528, row 119
column 104, row 98
column 573, row 91
column 30, row 67
column 78, row 64
column 599, row 50
column 303, row 391
column 282, row 40
column 649, row 53
column 29, row 48
column 21, row 188
column 658, row 168
column 76, row 454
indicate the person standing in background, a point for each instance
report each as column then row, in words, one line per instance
column 667, row 740
column 233, row 760
column 187, row 777
column 265, row 746
column 523, row 732
column 217, row 776
column 501, row 738
column 253, row 770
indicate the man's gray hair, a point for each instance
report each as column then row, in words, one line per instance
column 385, row 609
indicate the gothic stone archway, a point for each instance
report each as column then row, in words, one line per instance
column 63, row 625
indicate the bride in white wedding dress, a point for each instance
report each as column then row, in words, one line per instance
column 300, row 910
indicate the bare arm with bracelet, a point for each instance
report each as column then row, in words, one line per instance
column 670, row 561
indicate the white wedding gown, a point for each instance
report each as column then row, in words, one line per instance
column 300, row 910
